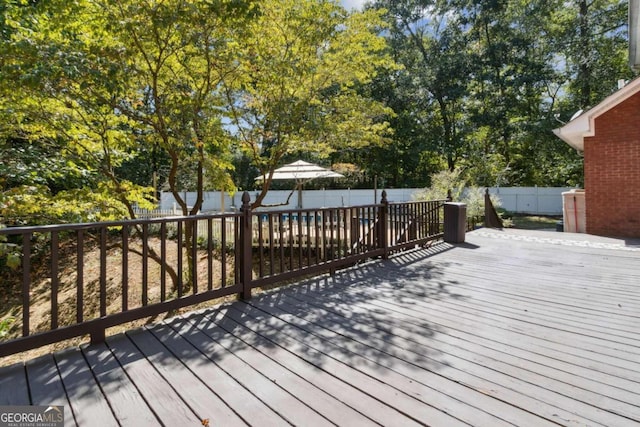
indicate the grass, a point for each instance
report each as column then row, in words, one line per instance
column 535, row 222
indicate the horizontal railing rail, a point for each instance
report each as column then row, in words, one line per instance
column 293, row 243
column 156, row 266
column 94, row 276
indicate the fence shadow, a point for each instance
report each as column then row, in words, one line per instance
column 361, row 317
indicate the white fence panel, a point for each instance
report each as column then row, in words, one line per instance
column 531, row 200
column 526, row 200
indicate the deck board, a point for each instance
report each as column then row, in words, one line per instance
column 164, row 401
column 13, row 386
column 192, row 346
column 272, row 393
column 412, row 374
column 46, row 386
column 305, row 390
column 354, row 360
column 85, row 396
column 263, row 389
column 507, row 329
column 194, row 392
column 281, row 353
column 457, row 369
column 124, row 398
column 365, row 383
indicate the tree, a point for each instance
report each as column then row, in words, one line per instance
column 591, row 37
column 106, row 78
column 55, row 92
column 176, row 54
column 296, row 90
column 484, row 82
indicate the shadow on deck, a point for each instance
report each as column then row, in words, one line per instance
column 492, row 332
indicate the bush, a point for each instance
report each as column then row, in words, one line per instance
column 446, row 180
column 5, row 325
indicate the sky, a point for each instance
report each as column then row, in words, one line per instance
column 352, row 4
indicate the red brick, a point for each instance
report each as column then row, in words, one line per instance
column 612, row 172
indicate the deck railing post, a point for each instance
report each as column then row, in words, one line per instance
column 245, row 247
column 455, row 222
column 97, row 334
column 383, row 225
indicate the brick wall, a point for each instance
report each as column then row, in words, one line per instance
column 612, row 172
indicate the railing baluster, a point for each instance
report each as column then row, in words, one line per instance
column 163, row 261
column 271, row 246
column 145, row 264
column 364, row 221
column 80, row 276
column 300, row 239
column 414, row 222
column 331, row 240
column 260, row 244
column 281, row 242
column 103, row 271
column 316, row 232
column 179, row 249
column 194, row 256
column 210, row 251
column 54, row 280
column 338, row 228
column 237, row 249
column 223, row 251
column 26, row 282
column 125, row 268
column 290, row 227
column 421, row 220
column 308, row 238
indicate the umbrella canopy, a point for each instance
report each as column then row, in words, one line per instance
column 301, row 172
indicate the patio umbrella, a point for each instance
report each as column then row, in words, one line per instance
column 301, row 172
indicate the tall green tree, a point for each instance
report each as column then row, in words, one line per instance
column 484, row 82
column 55, row 94
column 296, row 90
column 104, row 78
column 176, row 53
column 511, row 72
column 430, row 42
column 591, row 38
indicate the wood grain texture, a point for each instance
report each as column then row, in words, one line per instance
column 501, row 330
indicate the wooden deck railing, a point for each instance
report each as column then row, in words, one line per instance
column 99, row 275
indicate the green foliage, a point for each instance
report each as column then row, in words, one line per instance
column 473, row 197
column 301, row 65
column 442, row 183
column 483, row 83
column 454, row 181
column 96, row 95
column 35, row 205
column 9, row 254
column 5, row 326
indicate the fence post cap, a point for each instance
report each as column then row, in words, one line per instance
column 246, row 198
column 384, row 196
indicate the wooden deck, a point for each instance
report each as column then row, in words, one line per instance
column 507, row 329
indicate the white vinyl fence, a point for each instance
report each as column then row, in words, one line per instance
column 529, row 200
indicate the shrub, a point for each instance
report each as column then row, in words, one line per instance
column 446, row 180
